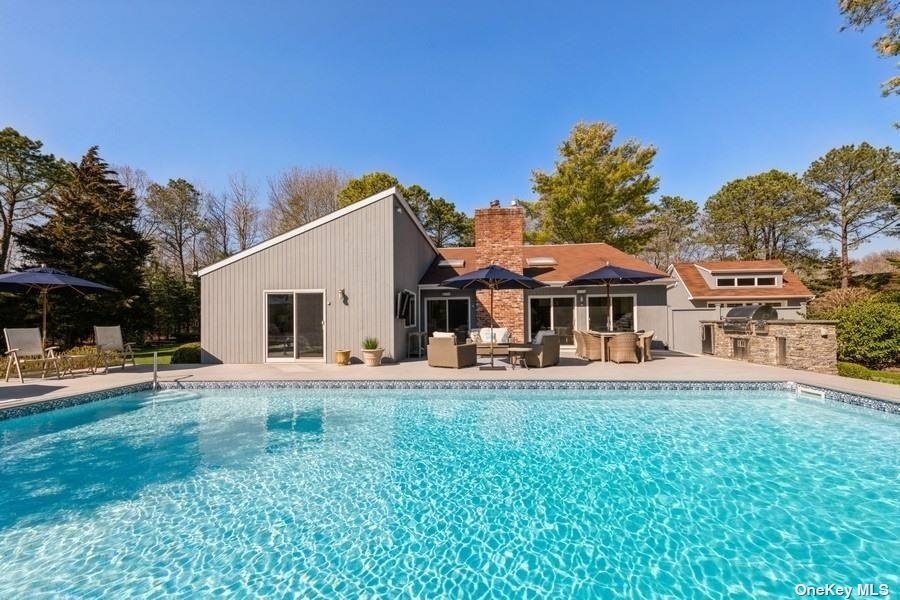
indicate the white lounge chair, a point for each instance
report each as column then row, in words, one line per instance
column 109, row 339
column 25, row 345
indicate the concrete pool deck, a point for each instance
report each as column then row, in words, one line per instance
column 666, row 366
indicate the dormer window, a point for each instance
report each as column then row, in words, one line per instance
column 745, row 281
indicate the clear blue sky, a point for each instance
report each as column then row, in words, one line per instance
column 462, row 98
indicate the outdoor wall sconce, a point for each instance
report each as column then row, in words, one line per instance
column 445, row 293
column 342, row 295
column 582, row 294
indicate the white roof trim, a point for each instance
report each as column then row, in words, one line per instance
column 314, row 224
column 687, row 290
column 716, row 271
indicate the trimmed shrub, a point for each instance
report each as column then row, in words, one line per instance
column 825, row 305
column 187, row 354
column 869, row 334
column 851, row 370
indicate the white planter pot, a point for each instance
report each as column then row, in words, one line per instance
column 372, row 358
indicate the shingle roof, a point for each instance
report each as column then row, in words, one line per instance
column 698, row 288
column 572, row 260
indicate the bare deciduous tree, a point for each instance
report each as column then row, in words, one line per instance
column 877, row 262
column 244, row 213
column 138, row 181
column 217, row 231
column 176, row 209
column 301, row 195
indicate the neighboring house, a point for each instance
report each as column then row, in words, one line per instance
column 370, row 270
column 707, row 289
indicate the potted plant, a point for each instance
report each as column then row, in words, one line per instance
column 371, row 352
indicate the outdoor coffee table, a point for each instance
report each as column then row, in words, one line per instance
column 517, row 356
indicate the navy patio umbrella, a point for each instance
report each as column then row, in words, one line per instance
column 492, row 278
column 44, row 280
column 610, row 274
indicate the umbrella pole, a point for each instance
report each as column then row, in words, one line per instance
column 491, row 317
column 609, row 313
column 44, row 329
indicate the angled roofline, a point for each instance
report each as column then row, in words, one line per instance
column 392, row 191
column 674, row 269
column 760, row 298
column 782, row 269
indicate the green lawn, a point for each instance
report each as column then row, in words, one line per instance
column 144, row 356
column 861, row 372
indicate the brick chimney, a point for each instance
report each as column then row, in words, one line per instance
column 499, row 235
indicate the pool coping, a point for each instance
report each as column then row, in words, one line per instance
column 860, row 400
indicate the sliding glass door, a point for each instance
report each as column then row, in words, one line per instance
column 447, row 314
column 280, row 323
column 310, row 325
column 295, row 325
column 622, row 313
column 555, row 314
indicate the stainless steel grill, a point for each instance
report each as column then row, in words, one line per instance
column 744, row 320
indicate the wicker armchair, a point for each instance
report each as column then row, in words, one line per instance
column 593, row 346
column 579, row 343
column 445, row 352
column 624, row 348
column 647, row 345
column 545, row 354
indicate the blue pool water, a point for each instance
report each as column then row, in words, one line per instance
column 451, row 493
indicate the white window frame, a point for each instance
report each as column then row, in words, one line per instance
column 573, row 297
column 294, row 293
column 415, row 312
column 774, row 303
column 587, row 308
column 444, row 299
column 755, row 279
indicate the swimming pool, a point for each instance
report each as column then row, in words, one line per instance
column 579, row 493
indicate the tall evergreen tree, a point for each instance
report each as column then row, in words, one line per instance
column 598, row 191
column 91, row 233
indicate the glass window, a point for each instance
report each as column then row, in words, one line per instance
column 765, row 281
column 553, row 314
column 310, row 330
column 458, row 318
column 725, row 282
column 411, row 312
column 622, row 313
column 746, row 281
column 541, row 315
column 406, row 307
column 448, row 314
column 280, row 317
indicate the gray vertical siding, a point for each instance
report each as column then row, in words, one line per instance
column 413, row 254
column 354, row 252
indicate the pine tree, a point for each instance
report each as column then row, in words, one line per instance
column 91, row 233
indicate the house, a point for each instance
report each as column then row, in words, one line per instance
column 729, row 283
column 317, row 288
column 499, row 239
column 705, row 290
column 370, row 270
